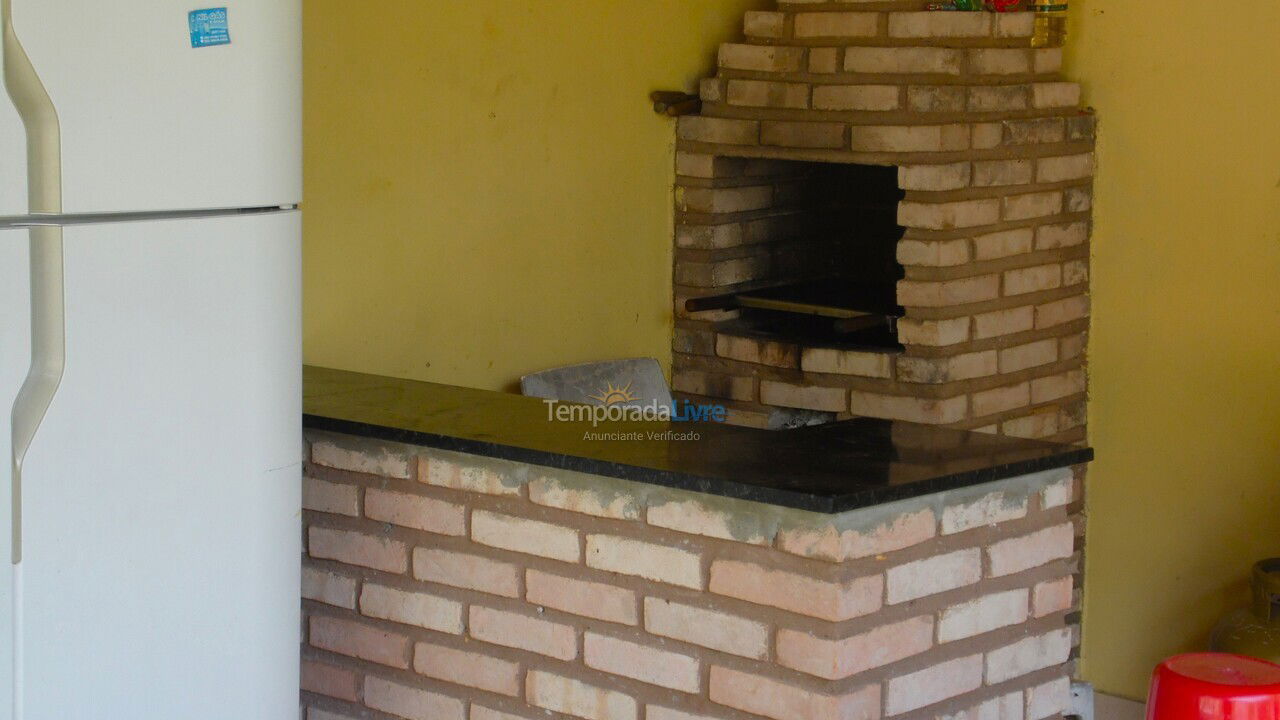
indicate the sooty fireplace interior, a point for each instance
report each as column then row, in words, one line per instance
column 830, row 273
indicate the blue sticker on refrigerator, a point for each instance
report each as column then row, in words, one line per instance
column 208, row 27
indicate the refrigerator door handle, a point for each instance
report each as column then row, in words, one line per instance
column 48, row 316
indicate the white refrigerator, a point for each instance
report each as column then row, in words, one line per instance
column 150, row 171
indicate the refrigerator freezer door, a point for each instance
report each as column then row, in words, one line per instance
column 161, row 497
column 156, row 111
column 15, row 354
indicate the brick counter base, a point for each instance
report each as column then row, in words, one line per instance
column 444, row 586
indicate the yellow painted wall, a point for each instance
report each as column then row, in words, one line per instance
column 1185, row 350
column 488, row 192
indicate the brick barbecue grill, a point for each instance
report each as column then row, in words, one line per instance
column 885, row 212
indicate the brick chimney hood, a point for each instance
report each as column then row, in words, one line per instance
column 932, row 172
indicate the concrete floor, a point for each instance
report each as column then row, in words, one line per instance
column 1111, row 707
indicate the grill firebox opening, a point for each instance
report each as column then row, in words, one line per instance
column 817, row 264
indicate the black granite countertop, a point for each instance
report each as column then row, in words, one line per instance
column 827, row 469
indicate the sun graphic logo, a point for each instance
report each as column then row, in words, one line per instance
column 611, row 395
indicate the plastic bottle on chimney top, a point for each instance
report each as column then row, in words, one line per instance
column 1051, row 23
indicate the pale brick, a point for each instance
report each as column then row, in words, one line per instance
column 409, row 702
column 327, row 497
column 1051, row 596
column 552, row 493
column 1028, row 655
column 934, row 177
column 467, row 668
column 725, row 131
column 833, row 601
column 708, row 628
column 1032, row 205
column 1060, row 169
column 471, row 572
column 1049, row 699
column 437, row 470
column 987, row 135
column 909, row 138
column 411, row 608
column 1004, row 707
column 1021, row 357
column 802, row 134
column 948, row 215
column 356, row 548
column 826, row 542
column 710, row 90
column 855, row 97
column 762, row 352
column 1032, row 279
column 809, row 397
column 1057, row 493
column 660, row 563
column 523, row 535
column 581, row 597
column 1078, row 199
column 1005, row 243
column 1037, row 425
column 415, row 511
column 936, row 98
column 523, row 632
column 641, row 662
column 964, row 366
column 1003, row 322
column 759, row 93
column 910, row 409
column 371, row 459
column 982, row 615
column 1075, row 272
column 758, row 23
column 941, row 253
column 993, row 61
column 710, row 237
column 318, row 714
column 574, row 697
column 1040, row 130
column 328, row 680
column 992, row 508
column 838, row 659
column 1014, row 555
column 993, row 173
column 922, row 688
column 933, row 575
column 697, row 518
column 939, row 24
column 1013, row 25
column 782, row 701
column 1054, row 387
column 1055, row 94
column 1049, row 237
column 835, row 24
column 724, row 200
column 358, row 640
column 329, row 588
column 913, row 60
column 933, row 333
column 1072, row 346
column 824, row 60
column 761, row 58
column 1061, row 311
column 997, row 98
column 1081, row 126
column 696, row 165
column 846, row 362
column 947, row 293
column 997, row 400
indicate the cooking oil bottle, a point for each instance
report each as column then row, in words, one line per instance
column 1051, row 23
